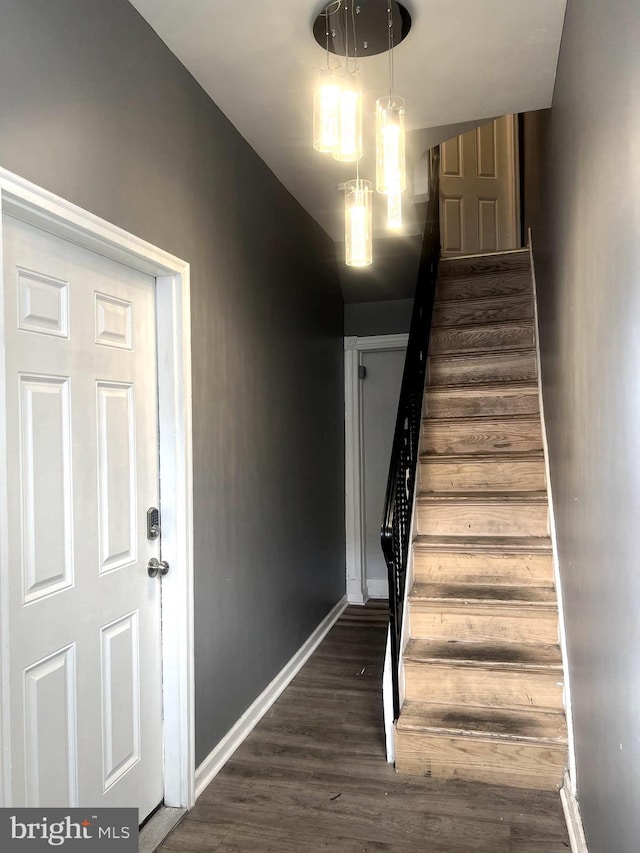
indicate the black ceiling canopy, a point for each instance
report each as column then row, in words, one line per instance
column 369, row 19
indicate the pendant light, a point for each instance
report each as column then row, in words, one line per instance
column 394, row 210
column 391, row 173
column 358, row 223
column 326, row 103
column 349, row 148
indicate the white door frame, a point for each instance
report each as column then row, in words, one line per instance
column 357, row 592
column 27, row 202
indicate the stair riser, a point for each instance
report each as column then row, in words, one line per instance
column 518, row 765
column 493, row 437
column 514, row 569
column 481, row 369
column 504, row 476
column 474, row 685
column 439, row 404
column 482, row 624
column 506, row 283
column 490, row 264
column 471, row 518
column 479, row 312
column 502, row 337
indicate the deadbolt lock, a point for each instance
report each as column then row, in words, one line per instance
column 153, row 523
column 157, row 567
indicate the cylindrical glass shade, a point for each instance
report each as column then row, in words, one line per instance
column 358, row 223
column 391, row 173
column 350, row 119
column 326, row 109
column 394, row 210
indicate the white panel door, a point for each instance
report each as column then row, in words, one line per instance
column 380, row 393
column 478, row 190
column 84, row 629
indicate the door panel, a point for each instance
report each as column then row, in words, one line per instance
column 478, row 190
column 380, row 393
column 84, row 627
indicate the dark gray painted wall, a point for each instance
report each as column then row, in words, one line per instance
column 584, row 206
column 94, row 107
column 390, row 317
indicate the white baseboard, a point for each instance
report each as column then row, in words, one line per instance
column 221, row 753
column 573, row 817
column 355, row 593
column 378, row 588
column 566, row 691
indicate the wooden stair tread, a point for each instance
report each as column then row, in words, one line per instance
column 488, row 544
column 515, row 386
column 508, row 724
column 482, row 497
column 481, row 593
column 503, row 656
column 479, row 354
column 484, row 458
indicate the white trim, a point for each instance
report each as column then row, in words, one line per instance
column 554, row 540
column 387, row 702
column 221, row 753
column 378, row 588
column 513, row 179
column 357, row 592
column 375, row 343
column 27, row 202
column 572, row 816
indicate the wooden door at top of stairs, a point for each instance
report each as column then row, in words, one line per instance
column 82, row 450
column 479, row 207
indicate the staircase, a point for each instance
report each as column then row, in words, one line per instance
column 483, row 669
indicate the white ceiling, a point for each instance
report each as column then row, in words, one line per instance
column 462, row 61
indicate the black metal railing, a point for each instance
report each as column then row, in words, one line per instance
column 395, row 534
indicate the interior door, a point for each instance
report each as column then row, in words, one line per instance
column 82, row 434
column 479, row 190
column 380, row 393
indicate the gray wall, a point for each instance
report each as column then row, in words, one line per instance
column 583, row 190
column 94, row 107
column 388, row 317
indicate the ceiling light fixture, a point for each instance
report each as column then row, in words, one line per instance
column 338, row 112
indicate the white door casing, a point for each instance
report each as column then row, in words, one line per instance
column 355, row 505
column 114, row 401
column 479, row 207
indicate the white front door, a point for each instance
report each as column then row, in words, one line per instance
column 82, row 437
column 380, row 393
column 478, row 190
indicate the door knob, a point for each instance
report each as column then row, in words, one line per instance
column 157, row 567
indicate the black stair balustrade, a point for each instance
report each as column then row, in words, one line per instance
column 395, row 534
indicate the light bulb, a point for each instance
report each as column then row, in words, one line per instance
column 394, row 210
column 358, row 223
column 391, row 175
column 349, row 147
column 326, row 107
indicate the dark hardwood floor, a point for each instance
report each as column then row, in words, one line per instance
column 312, row 776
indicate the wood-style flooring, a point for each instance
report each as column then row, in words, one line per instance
column 312, row 776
